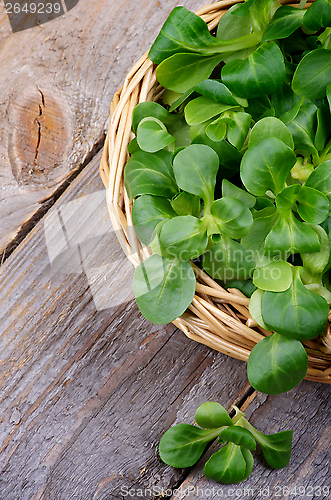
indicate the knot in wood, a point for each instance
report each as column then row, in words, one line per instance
column 39, row 140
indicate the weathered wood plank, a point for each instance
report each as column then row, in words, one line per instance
column 306, row 410
column 87, row 385
column 57, row 82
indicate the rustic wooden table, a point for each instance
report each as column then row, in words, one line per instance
column 88, row 386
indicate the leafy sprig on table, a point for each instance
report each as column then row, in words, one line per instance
column 251, row 105
column 183, row 444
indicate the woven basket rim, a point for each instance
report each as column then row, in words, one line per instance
column 217, row 317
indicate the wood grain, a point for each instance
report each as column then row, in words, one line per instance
column 305, row 409
column 57, row 83
column 87, row 385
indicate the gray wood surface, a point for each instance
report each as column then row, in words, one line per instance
column 57, row 82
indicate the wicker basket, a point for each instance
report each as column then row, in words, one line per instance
column 216, row 317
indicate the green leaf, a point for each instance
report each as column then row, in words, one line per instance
column 284, row 100
column 313, row 74
column 291, row 236
column 182, row 97
column 238, row 435
column 180, row 130
column 216, row 130
column 227, row 466
column 183, row 444
column 292, row 113
column 169, row 98
column 217, row 91
column 163, row 288
column 320, row 179
column 229, row 156
column 182, row 71
column 237, row 135
column 246, row 287
column 244, row 8
column 276, row 447
column 249, row 462
column 317, row 284
column 266, row 165
column 323, row 127
column 255, row 307
column 318, row 15
column 199, row 131
column 261, row 13
column 195, row 169
column 232, row 217
column 277, row 364
column 184, row 237
column 263, row 72
column 186, row 204
column 259, row 107
column 303, row 127
column 328, row 94
column 147, row 212
column 231, row 26
column 202, row 109
column 133, row 146
column 270, row 127
column 275, row 277
column 155, row 245
column 211, row 415
column 150, row 173
column 303, row 314
column 286, row 20
column 262, row 202
column 263, row 221
column 152, row 135
column 183, row 31
column 228, row 260
column 285, row 200
column 239, row 54
column 232, row 191
column 151, row 109
column 312, row 205
column 316, row 262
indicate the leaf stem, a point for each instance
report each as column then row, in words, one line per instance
column 238, row 416
column 324, row 36
column 325, row 154
column 243, row 42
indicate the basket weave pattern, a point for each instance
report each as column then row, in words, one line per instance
column 216, row 317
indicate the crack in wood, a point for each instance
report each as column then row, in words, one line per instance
column 39, row 124
column 39, row 136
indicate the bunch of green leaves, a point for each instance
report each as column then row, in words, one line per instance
column 183, row 444
column 233, row 170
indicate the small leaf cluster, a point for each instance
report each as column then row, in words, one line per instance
column 233, row 170
column 183, row 444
